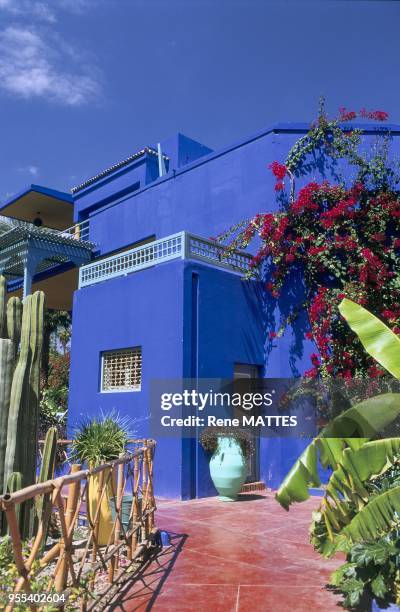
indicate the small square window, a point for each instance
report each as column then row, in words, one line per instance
column 121, row 370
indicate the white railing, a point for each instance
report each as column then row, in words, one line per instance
column 177, row 246
column 79, row 231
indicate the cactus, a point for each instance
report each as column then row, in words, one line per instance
column 14, row 483
column 3, row 292
column 7, row 354
column 20, row 352
column 43, row 503
column 14, row 316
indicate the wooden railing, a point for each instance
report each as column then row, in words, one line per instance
column 89, row 553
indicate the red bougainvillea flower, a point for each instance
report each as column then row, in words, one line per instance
column 376, row 115
column 346, row 115
column 346, row 238
column 278, row 170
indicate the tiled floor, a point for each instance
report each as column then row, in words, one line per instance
column 247, row 556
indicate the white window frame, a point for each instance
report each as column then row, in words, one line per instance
column 108, row 352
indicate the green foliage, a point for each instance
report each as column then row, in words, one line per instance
column 99, row 440
column 9, row 574
column 373, row 566
column 376, row 518
column 340, row 237
column 55, row 375
column 351, row 429
column 390, row 478
column 209, row 439
column 371, row 571
column 378, row 340
column 39, row 581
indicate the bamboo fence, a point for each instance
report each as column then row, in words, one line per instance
column 67, row 566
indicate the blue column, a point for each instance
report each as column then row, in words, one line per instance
column 30, row 264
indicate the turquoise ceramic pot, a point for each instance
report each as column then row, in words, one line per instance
column 228, row 468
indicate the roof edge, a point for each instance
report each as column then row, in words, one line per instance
column 111, row 169
column 47, row 191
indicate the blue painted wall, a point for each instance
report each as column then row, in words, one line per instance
column 190, row 319
column 155, row 309
column 144, row 310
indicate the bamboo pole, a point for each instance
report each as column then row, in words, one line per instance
column 97, row 523
column 145, row 493
column 114, row 561
column 73, row 496
column 135, row 507
column 47, row 487
column 149, row 454
column 67, row 521
column 55, row 550
column 17, row 550
column 28, row 564
column 68, row 516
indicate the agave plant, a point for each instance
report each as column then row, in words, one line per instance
column 99, row 440
column 347, row 513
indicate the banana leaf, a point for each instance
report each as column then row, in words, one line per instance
column 356, row 467
column 375, row 519
column 378, row 340
column 352, row 429
column 346, row 494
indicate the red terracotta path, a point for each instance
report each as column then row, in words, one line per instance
column 245, row 556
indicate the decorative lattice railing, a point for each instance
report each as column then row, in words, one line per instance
column 177, row 246
column 79, row 558
column 79, row 231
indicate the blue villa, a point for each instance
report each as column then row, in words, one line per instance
column 150, row 295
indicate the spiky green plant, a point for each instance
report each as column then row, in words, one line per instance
column 98, row 440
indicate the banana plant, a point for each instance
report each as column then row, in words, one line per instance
column 347, row 514
column 378, row 339
column 352, row 429
column 342, row 516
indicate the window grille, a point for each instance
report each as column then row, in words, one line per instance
column 122, row 370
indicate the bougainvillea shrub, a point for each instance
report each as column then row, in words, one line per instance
column 342, row 238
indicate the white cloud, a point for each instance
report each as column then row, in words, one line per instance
column 24, row 8
column 31, row 65
column 42, row 10
column 32, row 170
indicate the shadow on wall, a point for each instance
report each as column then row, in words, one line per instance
column 255, row 297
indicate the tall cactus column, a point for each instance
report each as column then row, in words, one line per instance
column 20, row 350
column 7, row 357
column 10, row 326
column 24, row 398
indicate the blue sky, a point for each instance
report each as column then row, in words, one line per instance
column 84, row 83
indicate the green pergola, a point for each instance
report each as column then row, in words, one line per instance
column 26, row 250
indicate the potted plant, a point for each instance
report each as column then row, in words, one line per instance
column 97, row 441
column 230, row 448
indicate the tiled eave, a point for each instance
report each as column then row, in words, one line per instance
column 115, row 167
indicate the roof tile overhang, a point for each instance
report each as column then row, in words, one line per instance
column 111, row 169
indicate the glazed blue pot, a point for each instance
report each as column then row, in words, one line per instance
column 228, row 468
